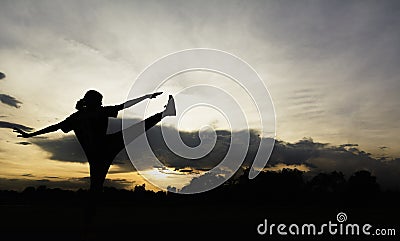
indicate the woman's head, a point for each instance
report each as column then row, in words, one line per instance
column 92, row 99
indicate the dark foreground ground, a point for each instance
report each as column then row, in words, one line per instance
column 231, row 212
column 181, row 221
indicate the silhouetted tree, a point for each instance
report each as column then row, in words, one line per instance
column 333, row 182
column 362, row 186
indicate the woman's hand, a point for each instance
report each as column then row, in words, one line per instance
column 22, row 133
column 154, row 95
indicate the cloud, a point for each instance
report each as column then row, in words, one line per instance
column 203, row 182
column 10, row 125
column 9, row 100
column 63, row 149
column 315, row 156
column 20, row 184
column 68, row 149
column 28, row 175
column 24, row 143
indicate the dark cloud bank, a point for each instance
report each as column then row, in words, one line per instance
column 317, row 157
column 9, row 100
column 28, row 180
column 11, row 125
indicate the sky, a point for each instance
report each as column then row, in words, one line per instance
column 331, row 68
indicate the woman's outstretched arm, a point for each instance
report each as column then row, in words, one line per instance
column 129, row 103
column 48, row 129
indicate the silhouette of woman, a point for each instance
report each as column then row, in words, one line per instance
column 90, row 123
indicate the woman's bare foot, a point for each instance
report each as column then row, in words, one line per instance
column 170, row 107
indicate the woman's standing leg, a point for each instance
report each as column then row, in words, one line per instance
column 97, row 176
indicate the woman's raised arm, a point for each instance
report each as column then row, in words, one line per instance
column 48, row 129
column 132, row 102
